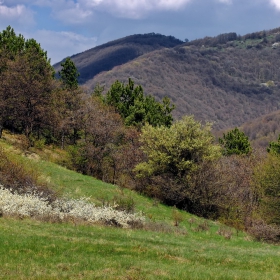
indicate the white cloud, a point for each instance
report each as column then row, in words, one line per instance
column 225, row 1
column 83, row 11
column 71, row 11
column 275, row 3
column 17, row 15
column 11, row 12
column 67, row 11
column 62, row 44
column 134, row 8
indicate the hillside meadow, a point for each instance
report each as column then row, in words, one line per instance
column 195, row 249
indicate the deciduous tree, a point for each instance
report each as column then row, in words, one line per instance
column 173, row 155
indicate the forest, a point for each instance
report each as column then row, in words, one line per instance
column 128, row 138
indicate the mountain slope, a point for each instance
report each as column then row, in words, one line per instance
column 227, row 84
column 107, row 56
column 263, row 130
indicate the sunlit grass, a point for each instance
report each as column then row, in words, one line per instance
column 34, row 250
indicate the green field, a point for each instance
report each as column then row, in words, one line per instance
column 33, row 249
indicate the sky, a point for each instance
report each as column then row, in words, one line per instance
column 67, row 27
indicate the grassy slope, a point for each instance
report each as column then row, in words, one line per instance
column 36, row 250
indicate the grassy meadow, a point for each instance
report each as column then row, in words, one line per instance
column 195, row 249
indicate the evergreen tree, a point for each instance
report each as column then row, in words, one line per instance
column 26, row 78
column 235, row 142
column 69, row 74
column 274, row 147
column 137, row 109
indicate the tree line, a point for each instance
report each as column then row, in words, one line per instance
column 128, row 138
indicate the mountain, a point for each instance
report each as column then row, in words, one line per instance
column 118, row 52
column 227, row 79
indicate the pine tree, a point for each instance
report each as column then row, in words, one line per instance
column 69, row 74
column 235, row 142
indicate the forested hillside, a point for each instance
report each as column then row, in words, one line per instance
column 227, row 80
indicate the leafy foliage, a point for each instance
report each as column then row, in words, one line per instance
column 137, row 109
column 274, row 147
column 235, row 142
column 268, row 178
column 174, row 155
column 177, row 150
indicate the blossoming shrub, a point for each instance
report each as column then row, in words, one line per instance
column 32, row 205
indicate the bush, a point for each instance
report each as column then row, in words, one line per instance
column 124, row 203
column 261, row 231
column 17, row 177
column 32, row 205
column 268, row 178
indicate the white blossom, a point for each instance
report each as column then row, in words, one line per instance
column 31, row 205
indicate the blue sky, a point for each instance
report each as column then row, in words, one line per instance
column 67, row 27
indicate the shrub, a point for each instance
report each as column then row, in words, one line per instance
column 17, row 177
column 203, row 226
column 32, row 205
column 124, row 203
column 261, row 231
column 177, row 217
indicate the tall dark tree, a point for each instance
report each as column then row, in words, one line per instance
column 69, row 74
column 10, row 43
column 25, row 83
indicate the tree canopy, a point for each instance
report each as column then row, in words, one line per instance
column 274, row 147
column 69, row 74
column 173, row 156
column 137, row 109
column 177, row 150
column 235, row 142
column 25, row 83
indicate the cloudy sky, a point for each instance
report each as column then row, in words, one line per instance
column 67, row 27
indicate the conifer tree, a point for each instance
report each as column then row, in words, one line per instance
column 69, row 74
column 235, row 142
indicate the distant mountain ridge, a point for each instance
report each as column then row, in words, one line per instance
column 105, row 57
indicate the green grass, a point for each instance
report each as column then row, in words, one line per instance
column 37, row 250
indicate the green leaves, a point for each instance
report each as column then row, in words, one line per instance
column 177, row 150
column 137, row 109
column 274, row 147
column 235, row 142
